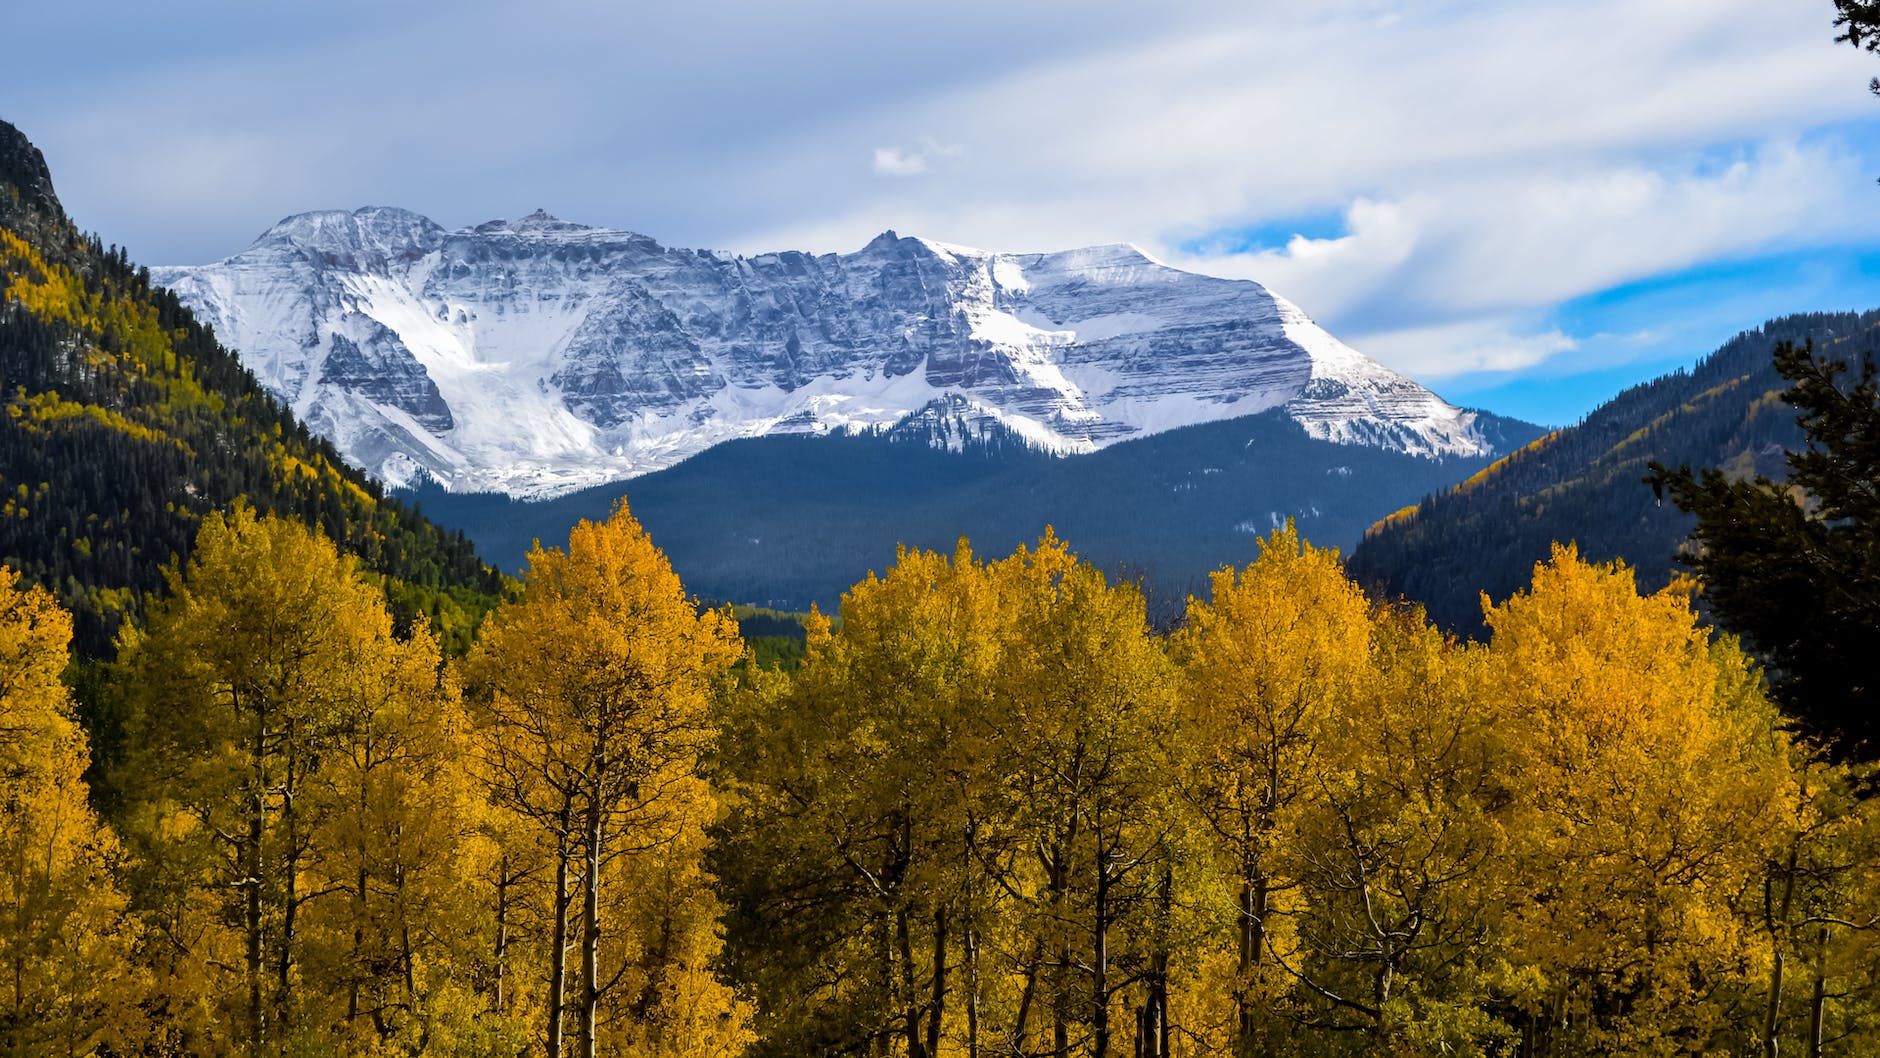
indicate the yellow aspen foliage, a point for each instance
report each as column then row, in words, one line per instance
column 594, row 690
column 1819, row 914
column 1266, row 664
column 295, row 801
column 1400, row 859
column 1653, row 780
column 1084, row 729
column 854, row 854
column 394, row 944
column 67, row 981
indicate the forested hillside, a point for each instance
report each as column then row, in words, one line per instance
column 1586, row 483
column 790, row 521
column 125, row 422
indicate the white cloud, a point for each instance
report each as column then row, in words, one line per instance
column 911, row 161
column 1490, row 159
column 1435, row 261
column 1460, row 346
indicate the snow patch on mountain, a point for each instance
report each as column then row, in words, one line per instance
column 536, row 356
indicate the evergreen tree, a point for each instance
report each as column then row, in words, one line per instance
column 1795, row 566
column 1859, row 21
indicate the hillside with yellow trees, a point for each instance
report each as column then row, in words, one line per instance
column 992, row 812
column 123, row 423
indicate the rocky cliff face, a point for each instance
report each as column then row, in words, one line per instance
column 536, row 356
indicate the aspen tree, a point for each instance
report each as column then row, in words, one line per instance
column 862, row 833
column 1654, row 782
column 1086, row 715
column 1279, row 650
column 595, row 689
column 67, row 985
column 291, row 796
column 1401, row 858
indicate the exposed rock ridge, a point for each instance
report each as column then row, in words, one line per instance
column 537, row 356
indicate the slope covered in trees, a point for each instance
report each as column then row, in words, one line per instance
column 1586, row 483
column 790, row 521
column 125, row 423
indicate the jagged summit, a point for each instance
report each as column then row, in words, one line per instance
column 537, row 223
column 368, row 239
column 24, row 167
column 537, row 356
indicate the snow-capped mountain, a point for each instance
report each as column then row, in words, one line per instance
column 535, row 356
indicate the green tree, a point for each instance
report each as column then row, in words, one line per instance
column 1795, row 567
column 1859, row 22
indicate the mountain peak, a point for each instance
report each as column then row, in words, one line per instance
column 363, row 236
column 23, row 167
column 539, row 222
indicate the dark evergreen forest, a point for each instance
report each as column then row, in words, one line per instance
column 1586, row 483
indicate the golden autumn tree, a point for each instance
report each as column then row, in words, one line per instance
column 394, row 945
column 595, row 691
column 856, row 855
column 1266, row 664
column 1400, row 859
column 1081, row 736
column 1653, row 782
column 956, row 830
column 1819, row 913
column 291, row 799
column 67, row 983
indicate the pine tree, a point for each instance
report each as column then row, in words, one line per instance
column 1859, row 21
column 1795, row 567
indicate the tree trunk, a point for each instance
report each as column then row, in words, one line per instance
column 909, row 1014
column 1158, row 976
column 1818, row 1003
column 1060, row 884
column 251, row 862
column 972, row 992
column 1777, row 927
column 558, row 945
column 1020, row 1026
column 591, row 932
column 1100, row 958
column 359, row 942
column 290, row 901
column 938, row 1005
column 884, row 1035
column 1253, row 899
column 503, row 881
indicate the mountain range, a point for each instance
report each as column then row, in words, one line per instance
column 536, row 357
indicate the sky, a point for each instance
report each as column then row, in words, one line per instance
column 1525, row 204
